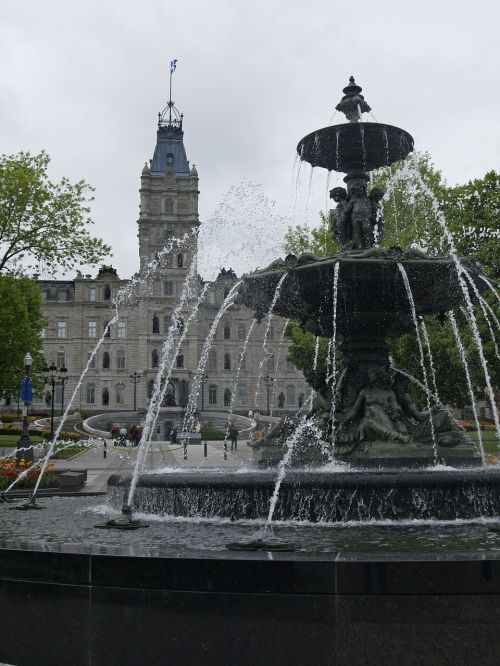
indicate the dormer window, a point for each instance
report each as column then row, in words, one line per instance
column 169, row 205
column 170, row 160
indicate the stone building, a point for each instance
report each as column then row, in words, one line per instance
column 78, row 313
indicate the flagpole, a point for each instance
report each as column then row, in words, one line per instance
column 170, row 98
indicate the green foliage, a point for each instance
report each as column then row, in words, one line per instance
column 302, row 239
column 43, row 222
column 301, row 352
column 20, row 323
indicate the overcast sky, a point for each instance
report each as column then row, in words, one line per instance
column 85, row 80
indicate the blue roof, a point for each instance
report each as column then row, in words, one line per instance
column 169, row 152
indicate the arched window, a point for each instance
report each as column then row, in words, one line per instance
column 155, row 359
column 212, row 394
column 290, row 394
column 105, row 360
column 227, row 361
column 105, row 396
column 242, row 394
column 90, row 394
column 242, row 331
column 169, row 205
column 180, row 260
column 120, row 359
column 107, row 292
column 120, row 394
column 156, row 323
column 227, row 397
column 212, row 359
column 227, row 332
column 179, row 361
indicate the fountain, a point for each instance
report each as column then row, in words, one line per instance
column 391, row 511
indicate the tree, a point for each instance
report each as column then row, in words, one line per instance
column 416, row 197
column 43, row 222
column 21, row 324
column 318, row 240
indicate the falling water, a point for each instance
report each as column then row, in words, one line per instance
column 425, row 335
column 193, row 396
column 491, row 286
column 487, row 311
column 278, row 358
column 421, row 352
column 315, row 366
column 386, row 143
column 266, row 334
column 470, row 388
column 363, row 147
column 337, row 136
column 336, row 272
column 413, row 171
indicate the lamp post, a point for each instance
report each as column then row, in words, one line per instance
column 135, row 378
column 51, row 377
column 203, row 379
column 269, row 384
column 24, row 442
column 63, row 379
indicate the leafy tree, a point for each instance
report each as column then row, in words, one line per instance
column 21, row 324
column 302, row 239
column 43, row 222
column 416, row 197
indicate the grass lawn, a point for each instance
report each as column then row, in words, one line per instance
column 490, row 441
column 12, row 440
column 71, row 450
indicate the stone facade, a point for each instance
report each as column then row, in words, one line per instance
column 77, row 313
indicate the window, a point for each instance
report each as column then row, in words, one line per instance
column 61, row 329
column 155, row 359
column 120, row 359
column 167, row 320
column 62, row 295
column 227, row 361
column 122, row 329
column 180, row 260
column 242, row 331
column 212, row 359
column 212, row 394
column 270, row 363
column 227, row 332
column 290, row 394
column 227, row 398
column 92, row 329
column 107, row 293
column 242, row 394
column 105, row 360
column 107, row 329
column 90, row 394
column 92, row 362
column 179, row 361
column 169, row 288
column 168, row 261
column 169, row 205
column 61, row 359
column 91, row 293
column 156, row 323
column 105, row 396
column 120, row 394
column 151, row 387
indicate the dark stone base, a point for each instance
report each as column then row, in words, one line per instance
column 319, row 496
column 90, row 610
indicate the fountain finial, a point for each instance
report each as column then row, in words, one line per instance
column 353, row 104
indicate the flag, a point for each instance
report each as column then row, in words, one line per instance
column 173, row 65
column 26, row 390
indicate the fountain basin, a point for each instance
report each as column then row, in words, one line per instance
column 323, row 496
column 371, row 293
column 355, row 146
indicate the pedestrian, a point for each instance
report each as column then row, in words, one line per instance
column 233, row 435
column 173, row 436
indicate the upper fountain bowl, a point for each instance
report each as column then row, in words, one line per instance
column 355, row 146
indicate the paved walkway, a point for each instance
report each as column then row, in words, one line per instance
column 161, row 454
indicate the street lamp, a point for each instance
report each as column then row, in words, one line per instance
column 268, row 381
column 51, row 377
column 24, row 442
column 63, row 380
column 134, row 378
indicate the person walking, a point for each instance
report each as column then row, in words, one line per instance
column 233, row 435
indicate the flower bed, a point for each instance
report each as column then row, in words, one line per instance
column 11, row 468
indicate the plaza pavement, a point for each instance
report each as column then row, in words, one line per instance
column 121, row 459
